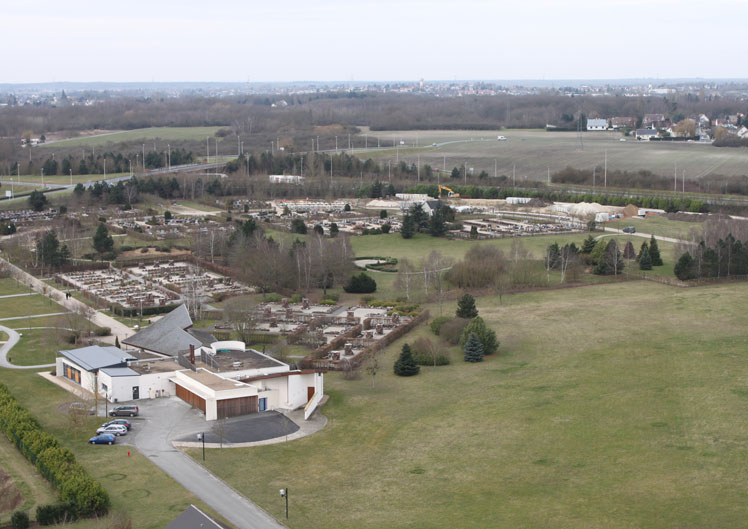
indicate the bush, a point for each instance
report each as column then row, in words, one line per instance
column 437, row 323
column 473, row 349
column 334, row 296
column 54, row 513
column 19, row 520
column 360, row 284
column 103, row 331
column 684, row 268
column 273, row 298
column 451, row 331
column 427, row 353
column 144, row 249
column 486, row 336
column 367, row 299
column 328, row 302
column 296, row 298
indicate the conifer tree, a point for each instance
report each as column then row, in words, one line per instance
column 473, row 349
column 589, row 244
column 645, row 261
column 405, row 366
column 684, row 268
column 466, row 307
column 654, row 252
column 641, row 250
column 486, row 336
column 628, row 251
column 407, row 228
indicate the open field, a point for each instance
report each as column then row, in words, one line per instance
column 153, row 133
column 28, row 305
column 659, row 226
column 38, row 346
column 612, row 406
column 32, row 486
column 150, row 497
column 64, row 180
column 9, row 286
column 534, row 152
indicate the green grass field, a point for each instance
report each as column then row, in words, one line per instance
column 28, row 305
column 37, row 346
column 64, row 180
column 659, row 226
column 534, row 152
column 153, row 133
column 9, row 286
column 613, row 406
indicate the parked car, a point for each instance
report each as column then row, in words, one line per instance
column 103, row 439
column 629, row 229
column 121, row 422
column 114, row 429
column 82, row 408
column 124, row 411
column 501, row 138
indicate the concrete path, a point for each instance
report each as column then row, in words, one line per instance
column 119, row 330
column 648, row 236
column 19, row 295
column 13, row 338
column 166, row 419
column 34, row 316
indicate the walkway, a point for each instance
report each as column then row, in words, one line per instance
column 34, row 316
column 13, row 338
column 119, row 330
column 647, row 236
column 165, row 419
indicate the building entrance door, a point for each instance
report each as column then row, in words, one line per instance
column 135, row 392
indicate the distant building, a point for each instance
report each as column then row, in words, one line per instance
column 285, row 179
column 517, row 200
column 645, row 134
column 597, row 124
column 622, row 122
column 653, row 121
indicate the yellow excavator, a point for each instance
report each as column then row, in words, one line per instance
column 450, row 193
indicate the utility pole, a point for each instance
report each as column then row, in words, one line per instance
column 675, row 176
column 495, row 169
column 336, row 144
column 419, row 168
column 144, row 158
column 606, row 168
column 465, row 173
column 514, row 175
column 42, row 177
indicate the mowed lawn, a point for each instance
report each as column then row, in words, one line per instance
column 660, row 226
column 28, row 306
column 152, row 133
column 614, row 406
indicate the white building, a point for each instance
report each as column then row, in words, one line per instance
column 597, row 124
column 285, row 179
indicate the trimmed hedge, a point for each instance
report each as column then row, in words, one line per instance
column 84, row 495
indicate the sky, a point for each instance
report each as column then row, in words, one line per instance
column 357, row 40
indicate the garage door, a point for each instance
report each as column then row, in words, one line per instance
column 190, row 398
column 236, row 407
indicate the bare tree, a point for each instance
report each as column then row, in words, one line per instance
column 405, row 274
column 239, row 312
column 372, row 366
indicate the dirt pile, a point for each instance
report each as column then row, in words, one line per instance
column 10, row 496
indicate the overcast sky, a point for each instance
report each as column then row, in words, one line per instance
column 324, row 40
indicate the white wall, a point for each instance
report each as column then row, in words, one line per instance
column 153, row 385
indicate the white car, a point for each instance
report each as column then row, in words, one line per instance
column 501, row 138
column 114, row 429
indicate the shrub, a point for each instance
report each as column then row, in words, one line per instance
column 296, row 298
column 437, row 323
column 360, row 284
column 273, row 298
column 405, row 366
column 427, row 353
column 367, row 299
column 19, row 520
column 144, row 249
column 298, row 226
column 451, row 331
column 103, row 331
column 473, row 349
column 486, row 336
column 328, row 302
column 333, row 296
column 684, row 268
column 54, row 513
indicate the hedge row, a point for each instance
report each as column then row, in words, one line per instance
column 57, row 464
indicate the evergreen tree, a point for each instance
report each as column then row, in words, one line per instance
column 486, row 336
column 37, row 200
column 318, row 229
column 473, row 231
column 684, row 268
column 360, row 284
column 654, row 252
column 406, row 366
column 420, row 218
column 553, row 256
column 298, row 226
column 641, row 250
column 334, row 229
column 466, row 307
column 645, row 261
column 589, row 244
column 437, row 226
column 628, row 251
column 407, row 228
column 473, row 349
column 610, row 262
column 383, row 214
column 116, row 342
column 102, row 241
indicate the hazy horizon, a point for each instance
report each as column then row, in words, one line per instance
column 336, row 41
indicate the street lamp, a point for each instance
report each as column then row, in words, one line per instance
column 201, row 437
column 284, row 493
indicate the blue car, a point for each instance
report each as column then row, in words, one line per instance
column 102, row 439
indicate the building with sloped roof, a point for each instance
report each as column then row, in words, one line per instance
column 170, row 334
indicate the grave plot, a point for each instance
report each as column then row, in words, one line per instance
column 188, row 279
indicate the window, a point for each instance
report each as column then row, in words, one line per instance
column 104, row 387
column 71, row 373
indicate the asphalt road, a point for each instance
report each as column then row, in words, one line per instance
column 163, row 421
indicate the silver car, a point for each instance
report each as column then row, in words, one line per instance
column 114, row 429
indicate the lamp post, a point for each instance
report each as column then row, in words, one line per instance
column 201, row 437
column 284, row 493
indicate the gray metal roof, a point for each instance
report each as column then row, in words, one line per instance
column 194, row 518
column 119, row 372
column 168, row 335
column 94, row 357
